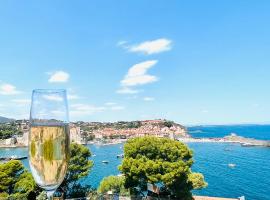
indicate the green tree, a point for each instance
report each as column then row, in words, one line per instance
column 7, row 131
column 90, row 137
column 168, row 124
column 160, row 160
column 79, row 167
column 114, row 184
column 16, row 182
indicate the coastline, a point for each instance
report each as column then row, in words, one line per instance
column 13, row 146
column 243, row 141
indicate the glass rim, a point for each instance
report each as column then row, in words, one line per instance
column 49, row 90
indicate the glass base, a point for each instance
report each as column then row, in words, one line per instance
column 50, row 194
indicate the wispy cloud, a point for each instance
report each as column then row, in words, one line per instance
column 58, row 113
column 110, row 104
column 21, row 101
column 148, row 98
column 52, row 97
column 58, row 77
column 115, row 108
column 137, row 74
column 8, row 89
column 126, row 90
column 85, row 109
column 149, row 47
column 205, row 111
column 72, row 96
column 122, row 43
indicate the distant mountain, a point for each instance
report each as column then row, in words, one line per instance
column 5, row 120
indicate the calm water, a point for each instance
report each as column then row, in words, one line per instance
column 252, row 131
column 250, row 177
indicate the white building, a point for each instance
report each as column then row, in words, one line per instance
column 75, row 135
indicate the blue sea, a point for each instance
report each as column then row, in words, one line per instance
column 250, row 177
column 261, row 132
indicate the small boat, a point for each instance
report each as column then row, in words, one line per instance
column 247, row 145
column 119, row 175
column 120, row 156
column 231, row 165
column 94, row 155
column 227, row 149
column 105, row 161
column 22, row 158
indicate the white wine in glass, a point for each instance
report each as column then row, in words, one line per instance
column 49, row 138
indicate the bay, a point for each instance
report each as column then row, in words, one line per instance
column 250, row 176
column 260, row 132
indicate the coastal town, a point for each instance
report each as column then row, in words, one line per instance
column 101, row 133
column 105, row 133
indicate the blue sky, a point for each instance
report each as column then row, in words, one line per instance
column 195, row 62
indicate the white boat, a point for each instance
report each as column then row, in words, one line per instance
column 13, row 157
column 231, row 165
column 105, row 161
column 119, row 175
column 120, row 156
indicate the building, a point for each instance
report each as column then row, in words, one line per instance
column 75, row 134
column 23, row 140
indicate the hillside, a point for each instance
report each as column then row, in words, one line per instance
column 124, row 129
column 5, row 120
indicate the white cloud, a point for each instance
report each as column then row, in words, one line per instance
column 2, row 107
column 148, row 98
column 205, row 111
column 21, row 101
column 132, row 97
column 52, row 97
column 126, row 90
column 114, row 106
column 122, row 43
column 59, row 77
column 20, row 116
column 72, row 96
column 117, row 108
column 110, row 104
column 58, row 112
column 8, row 89
column 151, row 47
column 137, row 74
column 85, row 109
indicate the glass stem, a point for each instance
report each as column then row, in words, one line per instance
column 50, row 194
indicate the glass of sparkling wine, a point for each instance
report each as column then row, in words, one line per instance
column 49, row 138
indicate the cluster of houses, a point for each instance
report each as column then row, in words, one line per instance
column 18, row 140
column 79, row 135
column 147, row 128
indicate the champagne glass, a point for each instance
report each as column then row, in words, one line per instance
column 49, row 138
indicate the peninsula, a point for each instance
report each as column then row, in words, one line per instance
column 232, row 138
